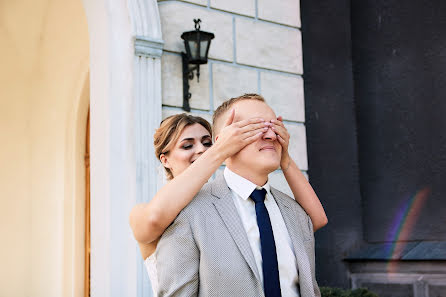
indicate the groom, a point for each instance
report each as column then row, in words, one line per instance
column 240, row 237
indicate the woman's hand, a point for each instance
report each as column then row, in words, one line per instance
column 284, row 139
column 235, row 136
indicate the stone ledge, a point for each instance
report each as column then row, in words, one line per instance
column 406, row 251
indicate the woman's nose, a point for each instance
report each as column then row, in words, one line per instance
column 200, row 148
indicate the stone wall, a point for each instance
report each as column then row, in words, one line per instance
column 257, row 48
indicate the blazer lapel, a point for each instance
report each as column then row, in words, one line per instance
column 289, row 214
column 230, row 216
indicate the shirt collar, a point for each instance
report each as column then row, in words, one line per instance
column 241, row 186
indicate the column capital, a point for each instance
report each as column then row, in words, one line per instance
column 148, row 47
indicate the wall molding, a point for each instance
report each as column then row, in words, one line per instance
column 148, row 47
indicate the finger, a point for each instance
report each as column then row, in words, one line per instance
column 283, row 134
column 279, row 130
column 278, row 123
column 280, row 118
column 255, row 126
column 252, row 138
column 281, row 140
column 254, row 132
column 250, row 121
column 230, row 118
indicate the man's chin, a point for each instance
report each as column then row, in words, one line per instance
column 269, row 167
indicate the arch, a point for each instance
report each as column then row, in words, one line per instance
column 74, row 201
column 125, row 107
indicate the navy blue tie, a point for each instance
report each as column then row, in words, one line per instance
column 271, row 283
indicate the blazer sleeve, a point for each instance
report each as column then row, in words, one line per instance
column 317, row 291
column 177, row 258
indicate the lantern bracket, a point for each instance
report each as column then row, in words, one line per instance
column 188, row 74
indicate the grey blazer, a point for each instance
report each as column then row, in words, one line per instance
column 205, row 252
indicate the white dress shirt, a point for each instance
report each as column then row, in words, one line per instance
column 241, row 189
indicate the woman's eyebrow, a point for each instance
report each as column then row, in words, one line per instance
column 191, row 138
column 187, row 139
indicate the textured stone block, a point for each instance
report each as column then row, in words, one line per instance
column 284, row 11
column 268, row 45
column 231, row 81
column 177, row 17
column 245, row 7
column 172, row 83
column 285, row 94
column 278, row 181
column 171, row 111
column 298, row 145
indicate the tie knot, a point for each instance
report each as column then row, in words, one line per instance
column 258, row 195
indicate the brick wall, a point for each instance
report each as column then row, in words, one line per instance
column 257, row 48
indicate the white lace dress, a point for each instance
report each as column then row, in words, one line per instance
column 150, row 264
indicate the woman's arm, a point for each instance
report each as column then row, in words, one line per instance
column 301, row 188
column 149, row 220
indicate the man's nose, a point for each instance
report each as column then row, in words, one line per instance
column 270, row 135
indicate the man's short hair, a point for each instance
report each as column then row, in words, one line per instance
column 225, row 106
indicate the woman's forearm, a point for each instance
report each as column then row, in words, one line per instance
column 304, row 194
column 149, row 220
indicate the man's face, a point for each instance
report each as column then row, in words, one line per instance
column 262, row 156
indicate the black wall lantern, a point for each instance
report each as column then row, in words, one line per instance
column 197, row 45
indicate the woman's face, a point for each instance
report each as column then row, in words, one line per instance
column 193, row 141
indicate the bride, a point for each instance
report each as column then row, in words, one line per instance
column 183, row 144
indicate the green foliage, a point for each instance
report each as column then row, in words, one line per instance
column 337, row 292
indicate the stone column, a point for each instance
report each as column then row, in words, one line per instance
column 147, row 117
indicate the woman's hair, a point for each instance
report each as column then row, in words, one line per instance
column 170, row 130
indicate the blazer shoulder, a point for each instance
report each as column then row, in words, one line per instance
column 200, row 199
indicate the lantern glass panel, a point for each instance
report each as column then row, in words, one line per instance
column 193, row 45
column 203, row 49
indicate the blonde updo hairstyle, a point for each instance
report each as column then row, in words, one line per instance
column 170, row 130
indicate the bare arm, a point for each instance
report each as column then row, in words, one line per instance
column 301, row 188
column 149, row 220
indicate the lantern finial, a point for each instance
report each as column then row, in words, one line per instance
column 197, row 24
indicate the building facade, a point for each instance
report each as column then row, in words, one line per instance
column 84, row 85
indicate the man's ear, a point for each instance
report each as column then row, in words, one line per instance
column 164, row 161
